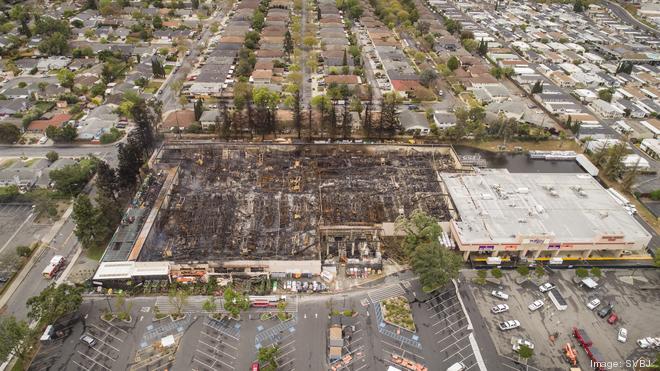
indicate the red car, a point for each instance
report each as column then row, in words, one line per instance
column 613, row 318
column 255, row 366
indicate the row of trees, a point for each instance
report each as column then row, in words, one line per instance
column 52, row 303
column 96, row 222
column 435, row 264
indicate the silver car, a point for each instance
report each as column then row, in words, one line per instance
column 509, row 325
column 499, row 308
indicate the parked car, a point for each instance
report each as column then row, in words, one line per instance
column 499, row 308
column 255, row 366
column 593, row 304
column 500, row 294
column 458, row 366
column 613, row 318
column 43, row 140
column 546, row 287
column 604, row 312
column 509, row 325
column 90, row 341
column 622, row 336
column 648, row 342
column 521, row 342
column 535, row 305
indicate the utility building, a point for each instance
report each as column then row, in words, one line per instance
column 539, row 216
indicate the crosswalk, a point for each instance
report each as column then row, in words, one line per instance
column 194, row 304
column 386, row 292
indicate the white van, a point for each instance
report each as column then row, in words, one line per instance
column 458, row 366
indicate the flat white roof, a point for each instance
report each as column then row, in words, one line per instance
column 496, row 206
column 128, row 269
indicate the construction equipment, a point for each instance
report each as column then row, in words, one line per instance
column 408, row 364
column 571, row 354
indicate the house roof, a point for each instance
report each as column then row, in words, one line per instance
column 342, row 79
column 57, row 120
column 181, row 119
column 406, row 85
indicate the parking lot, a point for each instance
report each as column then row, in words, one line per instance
column 103, row 354
column 282, row 335
column 218, row 344
column 549, row 328
column 450, row 328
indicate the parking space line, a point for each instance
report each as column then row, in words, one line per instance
column 287, row 344
column 449, row 307
column 217, row 338
column 215, row 359
column 79, row 365
column 453, row 334
column 353, row 341
column 451, row 324
column 197, row 360
column 439, row 296
column 455, row 342
column 447, row 316
column 218, row 350
column 445, row 301
column 355, row 350
column 108, row 345
column 91, row 359
column 106, row 332
column 287, row 362
column 285, row 354
column 117, row 328
column 222, row 332
column 103, row 354
column 460, row 350
column 402, row 349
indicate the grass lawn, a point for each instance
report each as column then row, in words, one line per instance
column 168, row 69
column 544, row 145
column 95, row 253
column 397, row 312
column 7, row 163
column 31, row 162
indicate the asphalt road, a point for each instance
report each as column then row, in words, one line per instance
column 305, row 92
column 64, row 244
column 623, row 14
column 108, row 152
column 168, row 96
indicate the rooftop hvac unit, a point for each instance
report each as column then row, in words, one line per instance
column 554, row 193
column 523, row 190
column 539, row 209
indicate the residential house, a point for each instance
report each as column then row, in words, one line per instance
column 208, row 118
column 261, row 76
column 26, row 64
column 414, row 122
column 10, row 107
column 444, row 120
column 178, row 120
column 100, row 120
column 651, row 147
column 350, row 80
column 40, row 126
column 52, row 63
column 605, row 109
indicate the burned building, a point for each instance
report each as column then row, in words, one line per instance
column 251, row 208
